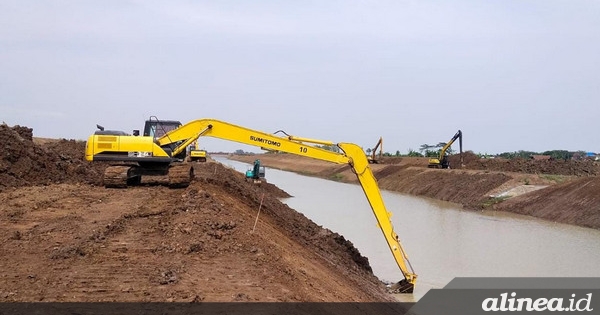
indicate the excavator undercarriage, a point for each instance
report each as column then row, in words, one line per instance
column 175, row 175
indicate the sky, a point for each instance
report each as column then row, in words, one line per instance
column 511, row 74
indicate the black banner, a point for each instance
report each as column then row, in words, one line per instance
column 462, row 296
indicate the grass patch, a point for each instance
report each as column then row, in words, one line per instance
column 492, row 201
column 337, row 177
column 555, row 178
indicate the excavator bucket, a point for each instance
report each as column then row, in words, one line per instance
column 401, row 287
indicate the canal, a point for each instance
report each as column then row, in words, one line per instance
column 442, row 240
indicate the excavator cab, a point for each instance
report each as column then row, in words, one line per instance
column 158, row 128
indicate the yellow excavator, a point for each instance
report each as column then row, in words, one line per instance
column 196, row 154
column 373, row 158
column 442, row 160
column 138, row 156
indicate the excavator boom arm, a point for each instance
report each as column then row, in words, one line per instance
column 352, row 155
column 374, row 152
column 445, row 148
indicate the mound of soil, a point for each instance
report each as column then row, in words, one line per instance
column 468, row 158
column 25, row 163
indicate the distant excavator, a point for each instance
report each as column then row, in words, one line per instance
column 373, row 158
column 196, row 154
column 137, row 156
column 256, row 172
column 442, row 160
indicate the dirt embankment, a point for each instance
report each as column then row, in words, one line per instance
column 576, row 202
column 571, row 194
column 527, row 166
column 64, row 239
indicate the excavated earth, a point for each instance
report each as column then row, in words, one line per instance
column 567, row 191
column 66, row 238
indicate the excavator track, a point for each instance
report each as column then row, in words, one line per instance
column 180, row 175
column 117, row 176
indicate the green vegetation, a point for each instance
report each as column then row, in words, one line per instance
column 492, row 201
column 426, row 149
column 337, row 177
column 554, row 178
column 555, row 154
column 413, row 153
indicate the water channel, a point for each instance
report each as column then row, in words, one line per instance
column 442, row 240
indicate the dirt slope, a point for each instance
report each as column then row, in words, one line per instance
column 567, row 198
column 576, row 202
column 74, row 241
column 552, row 167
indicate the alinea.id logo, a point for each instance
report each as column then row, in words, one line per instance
column 514, row 304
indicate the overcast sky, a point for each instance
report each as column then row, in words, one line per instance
column 511, row 74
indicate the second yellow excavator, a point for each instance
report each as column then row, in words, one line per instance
column 196, row 154
column 442, row 160
column 138, row 156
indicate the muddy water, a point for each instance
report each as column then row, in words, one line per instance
column 442, row 240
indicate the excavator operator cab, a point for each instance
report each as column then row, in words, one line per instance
column 158, row 128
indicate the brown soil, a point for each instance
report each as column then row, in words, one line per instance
column 25, row 163
column 66, row 239
column 552, row 167
column 572, row 195
column 576, row 202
